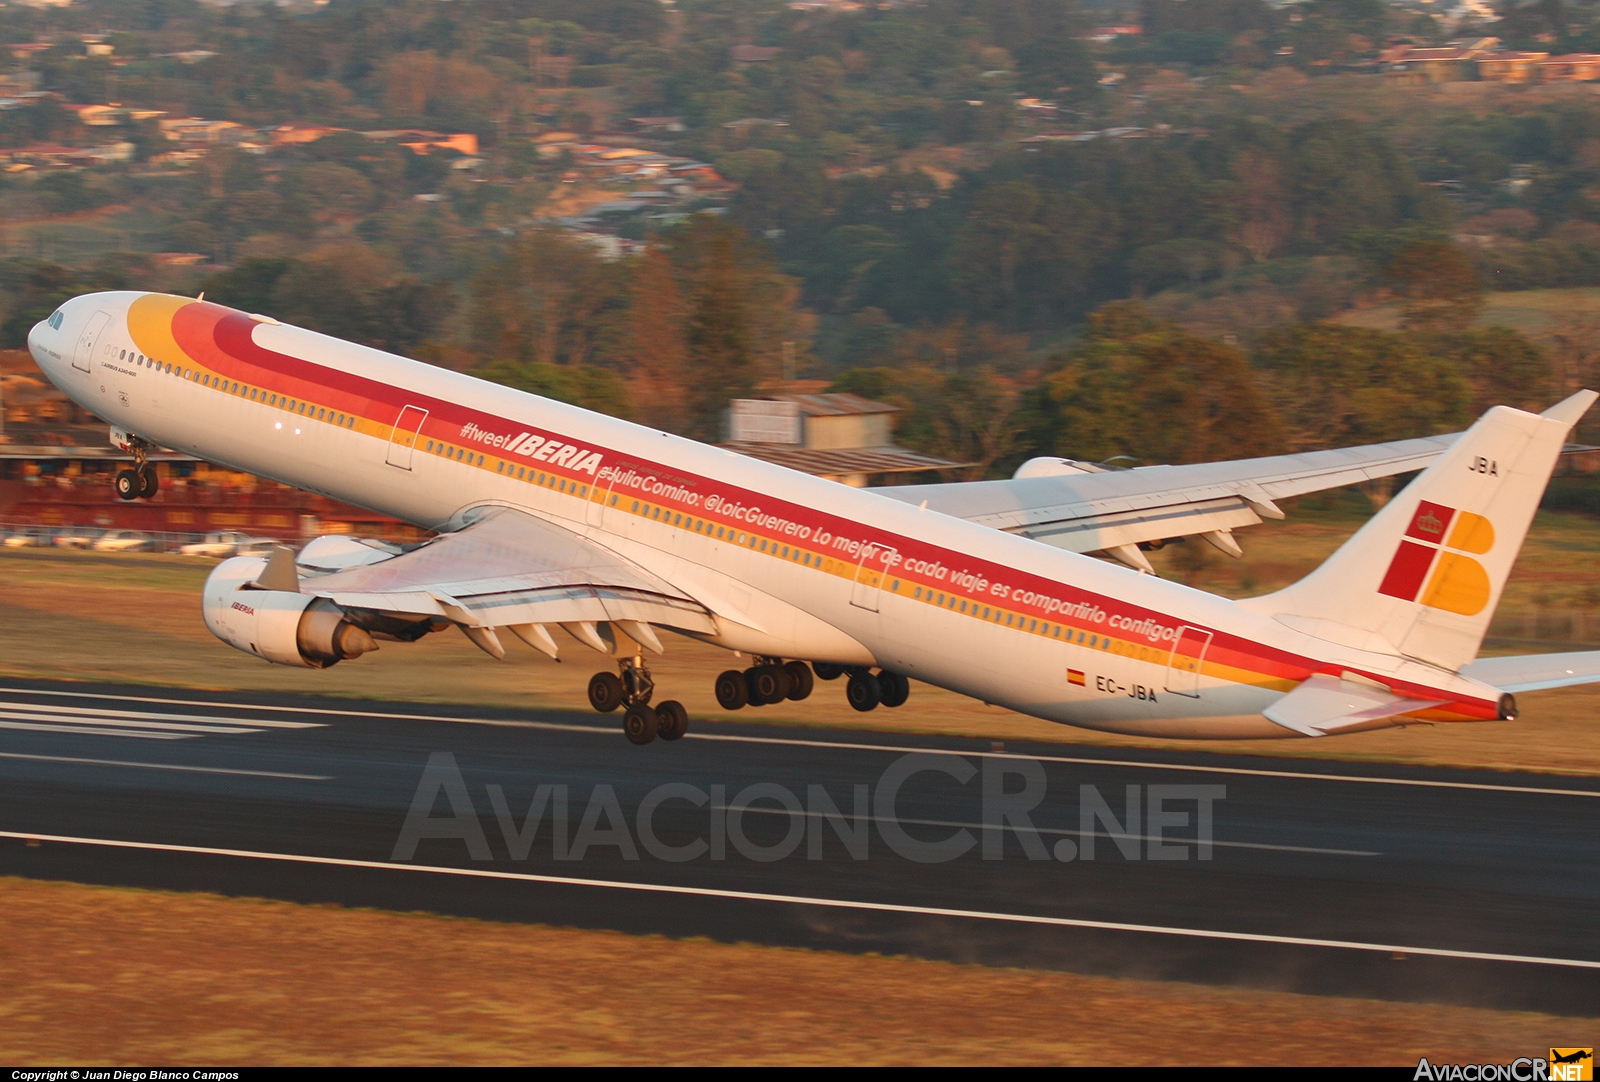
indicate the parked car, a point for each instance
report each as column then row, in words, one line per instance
column 27, row 538
column 227, row 543
column 257, row 546
column 123, row 541
column 74, row 537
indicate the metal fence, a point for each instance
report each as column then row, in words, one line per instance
column 1544, row 626
column 86, row 536
column 1577, row 628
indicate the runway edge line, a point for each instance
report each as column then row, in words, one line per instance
column 800, row 899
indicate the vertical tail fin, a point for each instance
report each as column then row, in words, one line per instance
column 1423, row 577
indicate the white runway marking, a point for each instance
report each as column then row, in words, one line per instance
column 829, row 903
column 1425, row 783
column 162, row 766
column 98, row 712
column 1167, row 839
column 145, row 724
column 87, row 730
column 898, row 749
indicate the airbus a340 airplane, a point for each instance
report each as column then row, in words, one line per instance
column 550, row 515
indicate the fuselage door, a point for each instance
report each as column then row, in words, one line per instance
column 1188, row 655
column 82, row 355
column 870, row 573
column 403, row 439
column 595, row 513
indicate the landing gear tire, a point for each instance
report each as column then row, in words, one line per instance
column 766, row 684
column 826, row 671
column 800, row 673
column 672, row 720
column 893, row 689
column 863, row 691
column 149, row 482
column 732, row 690
column 640, row 724
column 605, row 692
column 126, row 483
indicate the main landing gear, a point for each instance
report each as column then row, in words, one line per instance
column 632, row 688
column 770, row 680
column 141, row 482
column 866, row 690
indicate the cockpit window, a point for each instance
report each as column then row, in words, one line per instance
column 55, row 320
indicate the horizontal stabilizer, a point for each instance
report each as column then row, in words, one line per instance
column 1536, row 672
column 1325, row 704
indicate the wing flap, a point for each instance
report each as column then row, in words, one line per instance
column 509, row 568
column 1093, row 532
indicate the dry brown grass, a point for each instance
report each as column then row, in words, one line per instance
column 118, row 976
column 135, row 619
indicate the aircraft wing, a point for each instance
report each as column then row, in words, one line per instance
column 510, row 569
column 1087, row 508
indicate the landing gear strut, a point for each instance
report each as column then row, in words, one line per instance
column 141, row 482
column 631, row 687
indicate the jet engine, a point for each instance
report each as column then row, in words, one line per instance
column 282, row 627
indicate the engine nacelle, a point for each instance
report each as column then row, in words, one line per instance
column 282, row 627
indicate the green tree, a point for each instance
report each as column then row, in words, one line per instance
column 352, row 292
column 32, row 289
column 658, row 346
column 1344, row 177
column 248, row 287
column 592, row 388
column 1441, row 287
column 549, row 299
column 1502, row 367
column 721, row 357
column 1335, row 386
column 1146, row 389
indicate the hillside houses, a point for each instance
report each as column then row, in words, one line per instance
column 622, row 166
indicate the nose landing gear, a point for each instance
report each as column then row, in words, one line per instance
column 141, row 482
column 633, row 688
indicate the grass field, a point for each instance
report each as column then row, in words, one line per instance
column 135, row 618
column 129, row 977
column 1534, row 312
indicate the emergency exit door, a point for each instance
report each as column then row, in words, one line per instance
column 403, row 439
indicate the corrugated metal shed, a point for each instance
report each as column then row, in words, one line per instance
column 844, row 464
column 838, row 404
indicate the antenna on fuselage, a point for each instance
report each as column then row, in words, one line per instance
column 202, row 296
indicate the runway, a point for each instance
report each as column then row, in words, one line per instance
column 1453, row 886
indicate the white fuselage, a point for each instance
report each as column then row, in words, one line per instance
column 793, row 566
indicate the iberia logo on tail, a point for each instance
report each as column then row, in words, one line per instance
column 1438, row 539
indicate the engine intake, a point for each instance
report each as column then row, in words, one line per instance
column 282, row 627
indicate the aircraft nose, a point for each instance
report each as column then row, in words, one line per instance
column 40, row 329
